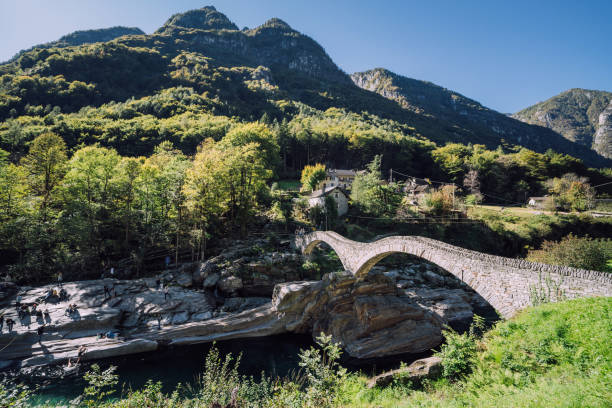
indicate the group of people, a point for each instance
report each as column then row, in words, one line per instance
column 71, row 310
column 111, row 334
column 52, row 294
column 24, row 310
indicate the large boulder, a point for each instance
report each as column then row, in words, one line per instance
column 230, row 284
column 370, row 317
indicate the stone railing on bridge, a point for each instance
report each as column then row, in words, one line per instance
column 505, row 283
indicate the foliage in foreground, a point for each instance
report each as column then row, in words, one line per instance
column 553, row 355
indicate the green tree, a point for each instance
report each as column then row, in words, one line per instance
column 372, row 195
column 312, row 176
column 45, row 167
column 260, row 134
column 88, row 193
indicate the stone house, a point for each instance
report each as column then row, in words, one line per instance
column 415, row 188
column 340, row 196
column 338, row 177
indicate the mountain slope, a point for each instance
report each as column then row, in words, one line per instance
column 85, row 37
column 461, row 113
column 269, row 70
column 580, row 115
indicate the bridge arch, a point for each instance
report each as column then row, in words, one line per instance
column 504, row 282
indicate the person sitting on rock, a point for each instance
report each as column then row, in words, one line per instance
column 110, row 334
column 33, row 311
column 9, row 324
column 46, row 314
column 63, row 295
column 39, row 313
column 49, row 295
column 100, row 336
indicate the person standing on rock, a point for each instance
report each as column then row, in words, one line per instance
column 18, row 301
column 9, row 324
column 166, row 294
column 59, row 279
column 1, row 322
column 40, row 331
column 81, row 353
column 159, row 319
column 107, row 294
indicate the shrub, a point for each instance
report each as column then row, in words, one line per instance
column 101, row 385
column 585, row 253
column 459, row 350
column 323, row 373
column 14, row 395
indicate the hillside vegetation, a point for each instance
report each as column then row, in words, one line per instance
column 577, row 114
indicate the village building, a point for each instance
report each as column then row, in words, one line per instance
column 415, row 188
column 338, row 177
column 340, row 196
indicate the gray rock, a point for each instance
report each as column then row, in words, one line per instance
column 230, row 284
column 179, row 318
column 184, row 279
column 211, row 280
column 197, row 317
column 430, row 367
column 204, row 270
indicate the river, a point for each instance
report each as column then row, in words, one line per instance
column 276, row 356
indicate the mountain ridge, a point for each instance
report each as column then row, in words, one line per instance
column 81, row 37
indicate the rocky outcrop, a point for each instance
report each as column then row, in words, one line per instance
column 206, row 18
column 430, row 367
column 273, row 44
column 372, row 317
column 602, row 141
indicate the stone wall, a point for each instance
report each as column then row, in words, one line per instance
column 504, row 282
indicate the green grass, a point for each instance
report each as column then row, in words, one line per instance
column 289, row 185
column 555, row 355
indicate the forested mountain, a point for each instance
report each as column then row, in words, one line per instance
column 85, row 37
column 475, row 122
column 581, row 115
column 200, row 61
column 112, row 151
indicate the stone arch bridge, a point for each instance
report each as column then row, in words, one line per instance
column 505, row 283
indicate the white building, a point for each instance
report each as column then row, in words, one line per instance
column 317, row 198
column 338, row 177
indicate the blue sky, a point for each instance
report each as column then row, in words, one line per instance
column 505, row 54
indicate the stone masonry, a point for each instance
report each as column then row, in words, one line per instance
column 504, row 282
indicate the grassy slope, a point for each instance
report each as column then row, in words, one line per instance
column 555, row 355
